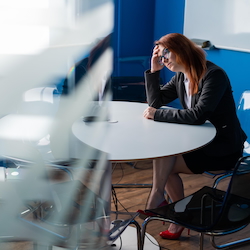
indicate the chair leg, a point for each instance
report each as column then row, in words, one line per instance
column 143, row 231
column 138, row 230
column 201, row 240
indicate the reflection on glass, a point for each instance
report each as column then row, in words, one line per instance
column 47, row 194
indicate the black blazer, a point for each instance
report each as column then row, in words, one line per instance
column 213, row 102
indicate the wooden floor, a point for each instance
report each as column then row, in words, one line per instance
column 131, row 199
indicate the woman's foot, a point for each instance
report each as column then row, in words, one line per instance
column 173, row 233
column 143, row 215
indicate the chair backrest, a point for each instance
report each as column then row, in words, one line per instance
column 243, row 113
column 235, row 210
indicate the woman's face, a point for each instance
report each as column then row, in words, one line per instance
column 168, row 59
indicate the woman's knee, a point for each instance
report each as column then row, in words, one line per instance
column 164, row 161
column 180, row 166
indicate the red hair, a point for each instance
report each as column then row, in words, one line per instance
column 188, row 54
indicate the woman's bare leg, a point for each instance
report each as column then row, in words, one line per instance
column 166, row 176
column 162, row 167
column 174, row 186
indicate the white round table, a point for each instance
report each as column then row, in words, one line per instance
column 134, row 137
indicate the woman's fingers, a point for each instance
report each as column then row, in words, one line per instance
column 155, row 66
column 149, row 113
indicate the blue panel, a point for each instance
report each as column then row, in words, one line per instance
column 136, row 27
column 236, row 64
column 133, row 33
column 169, row 18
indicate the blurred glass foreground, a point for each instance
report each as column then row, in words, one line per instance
column 55, row 63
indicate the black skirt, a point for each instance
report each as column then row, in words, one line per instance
column 198, row 162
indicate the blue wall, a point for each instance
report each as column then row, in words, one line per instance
column 236, row 64
column 145, row 23
column 169, row 18
column 133, row 34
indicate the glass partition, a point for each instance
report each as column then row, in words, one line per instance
column 56, row 59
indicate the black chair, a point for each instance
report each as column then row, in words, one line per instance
column 129, row 88
column 211, row 211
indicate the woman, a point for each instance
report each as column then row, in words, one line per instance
column 205, row 93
